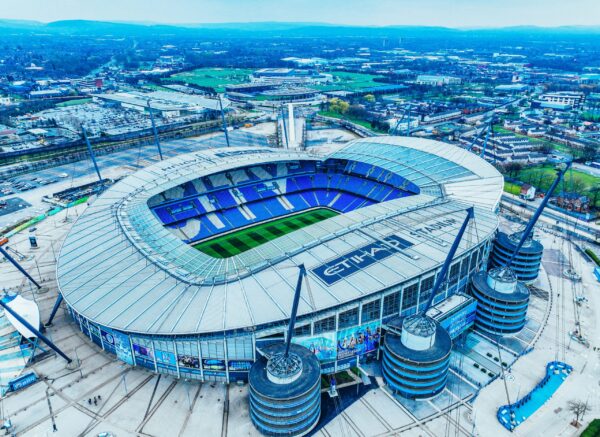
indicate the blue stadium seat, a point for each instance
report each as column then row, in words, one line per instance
column 225, row 199
column 275, row 208
column 310, row 198
column 305, row 184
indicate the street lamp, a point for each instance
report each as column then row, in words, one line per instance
column 54, row 428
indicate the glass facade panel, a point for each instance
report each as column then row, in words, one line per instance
column 409, row 296
column 348, row 318
column 370, row 311
column 324, row 325
column 391, row 304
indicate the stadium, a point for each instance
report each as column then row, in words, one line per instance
column 188, row 266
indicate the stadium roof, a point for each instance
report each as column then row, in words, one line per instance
column 121, row 268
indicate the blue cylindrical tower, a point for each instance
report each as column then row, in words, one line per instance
column 526, row 263
column 502, row 301
column 415, row 363
column 285, row 391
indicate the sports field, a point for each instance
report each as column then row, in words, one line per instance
column 245, row 239
column 349, row 82
column 215, row 78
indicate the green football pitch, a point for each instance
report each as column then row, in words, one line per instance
column 245, row 239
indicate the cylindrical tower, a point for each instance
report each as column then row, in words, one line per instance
column 285, row 391
column 526, row 263
column 416, row 362
column 502, row 301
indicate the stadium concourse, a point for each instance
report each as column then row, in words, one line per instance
column 386, row 210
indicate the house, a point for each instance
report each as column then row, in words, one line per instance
column 572, row 201
column 527, row 192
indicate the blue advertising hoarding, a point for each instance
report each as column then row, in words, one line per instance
column 460, row 321
column 322, row 345
column 122, row 347
column 22, row 381
column 358, row 340
column 165, row 357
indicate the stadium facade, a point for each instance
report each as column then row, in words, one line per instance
column 166, row 271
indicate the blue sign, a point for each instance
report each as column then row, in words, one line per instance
column 460, row 321
column 122, row 347
column 165, row 357
column 239, row 365
column 22, row 382
column 352, row 262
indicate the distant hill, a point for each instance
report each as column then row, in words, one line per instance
column 270, row 29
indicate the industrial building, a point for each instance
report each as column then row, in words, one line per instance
column 163, row 103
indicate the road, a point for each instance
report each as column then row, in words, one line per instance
column 586, row 229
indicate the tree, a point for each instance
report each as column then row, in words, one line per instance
column 589, row 152
column 578, row 408
column 545, row 148
column 338, row 105
column 369, row 98
column 595, row 196
column 513, row 168
column 357, row 111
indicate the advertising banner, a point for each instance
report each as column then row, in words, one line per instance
column 122, row 347
column 239, row 365
column 165, row 357
column 143, row 351
column 322, row 345
column 107, row 337
column 358, row 340
column 210, row 364
column 188, row 361
column 460, row 321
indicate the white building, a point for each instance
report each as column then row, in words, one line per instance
column 563, row 98
column 425, row 79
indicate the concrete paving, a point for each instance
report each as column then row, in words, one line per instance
column 553, row 418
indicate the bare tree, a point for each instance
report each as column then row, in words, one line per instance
column 578, row 408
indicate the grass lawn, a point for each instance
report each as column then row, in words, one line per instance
column 359, row 121
column 73, row 102
column 245, row 239
column 541, row 177
column 215, row 78
column 592, row 430
column 511, row 188
column 349, row 82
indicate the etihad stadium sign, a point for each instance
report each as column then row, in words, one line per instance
column 352, row 262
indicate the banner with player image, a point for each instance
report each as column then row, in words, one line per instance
column 358, row 340
column 322, row 345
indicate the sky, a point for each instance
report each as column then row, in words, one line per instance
column 450, row 13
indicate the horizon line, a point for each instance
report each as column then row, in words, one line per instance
column 308, row 23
